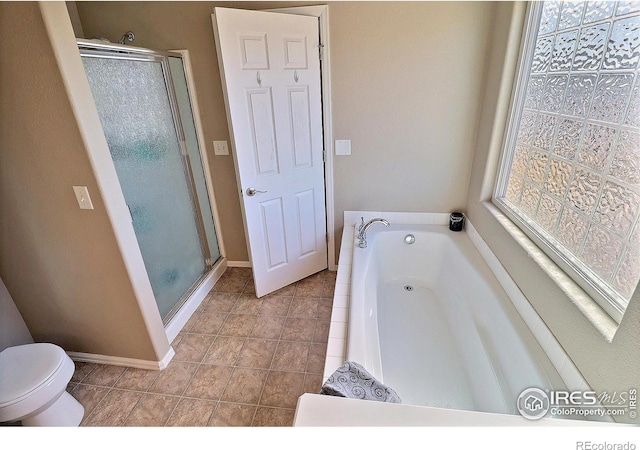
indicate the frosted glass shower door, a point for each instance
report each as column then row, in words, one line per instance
column 193, row 150
column 140, row 125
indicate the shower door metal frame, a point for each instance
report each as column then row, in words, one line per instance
column 94, row 49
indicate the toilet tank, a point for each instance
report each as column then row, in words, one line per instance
column 13, row 330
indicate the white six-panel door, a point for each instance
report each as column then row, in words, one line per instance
column 270, row 70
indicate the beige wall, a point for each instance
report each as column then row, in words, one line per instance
column 406, row 81
column 606, row 366
column 61, row 264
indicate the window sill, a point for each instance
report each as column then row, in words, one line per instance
column 602, row 321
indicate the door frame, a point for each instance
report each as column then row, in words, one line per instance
column 321, row 12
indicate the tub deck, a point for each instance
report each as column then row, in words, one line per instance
column 315, row 410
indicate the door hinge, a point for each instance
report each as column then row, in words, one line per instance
column 324, row 156
column 321, row 50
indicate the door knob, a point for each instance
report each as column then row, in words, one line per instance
column 253, row 191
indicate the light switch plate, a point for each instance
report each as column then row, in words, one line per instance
column 220, row 148
column 82, row 195
column 343, row 147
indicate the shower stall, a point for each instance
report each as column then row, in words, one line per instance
column 142, row 98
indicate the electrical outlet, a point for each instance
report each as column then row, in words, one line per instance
column 220, row 148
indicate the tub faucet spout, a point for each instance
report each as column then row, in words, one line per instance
column 362, row 230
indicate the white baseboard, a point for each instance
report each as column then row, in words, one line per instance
column 238, row 264
column 126, row 362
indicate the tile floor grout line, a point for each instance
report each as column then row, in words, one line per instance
column 264, row 383
column 273, row 357
column 213, row 413
column 185, row 390
column 110, row 388
column 130, row 412
column 86, row 419
column 271, row 369
column 146, row 391
column 172, row 411
column 235, row 364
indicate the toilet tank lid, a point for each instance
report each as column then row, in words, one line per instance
column 24, row 368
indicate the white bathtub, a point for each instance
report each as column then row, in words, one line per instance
column 430, row 320
column 459, row 348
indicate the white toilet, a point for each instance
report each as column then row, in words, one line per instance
column 33, row 382
column 33, row 377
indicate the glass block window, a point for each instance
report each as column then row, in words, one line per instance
column 570, row 173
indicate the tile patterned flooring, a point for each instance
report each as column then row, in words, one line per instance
column 240, row 361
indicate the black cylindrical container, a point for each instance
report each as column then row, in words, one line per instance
column 456, row 221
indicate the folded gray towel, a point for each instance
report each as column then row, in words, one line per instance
column 352, row 380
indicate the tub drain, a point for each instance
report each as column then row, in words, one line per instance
column 408, row 288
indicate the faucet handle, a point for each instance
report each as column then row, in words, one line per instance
column 361, row 224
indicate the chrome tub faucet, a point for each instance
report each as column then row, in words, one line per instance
column 363, row 227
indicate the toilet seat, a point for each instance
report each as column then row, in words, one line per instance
column 26, row 369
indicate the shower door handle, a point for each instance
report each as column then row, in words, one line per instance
column 253, row 191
